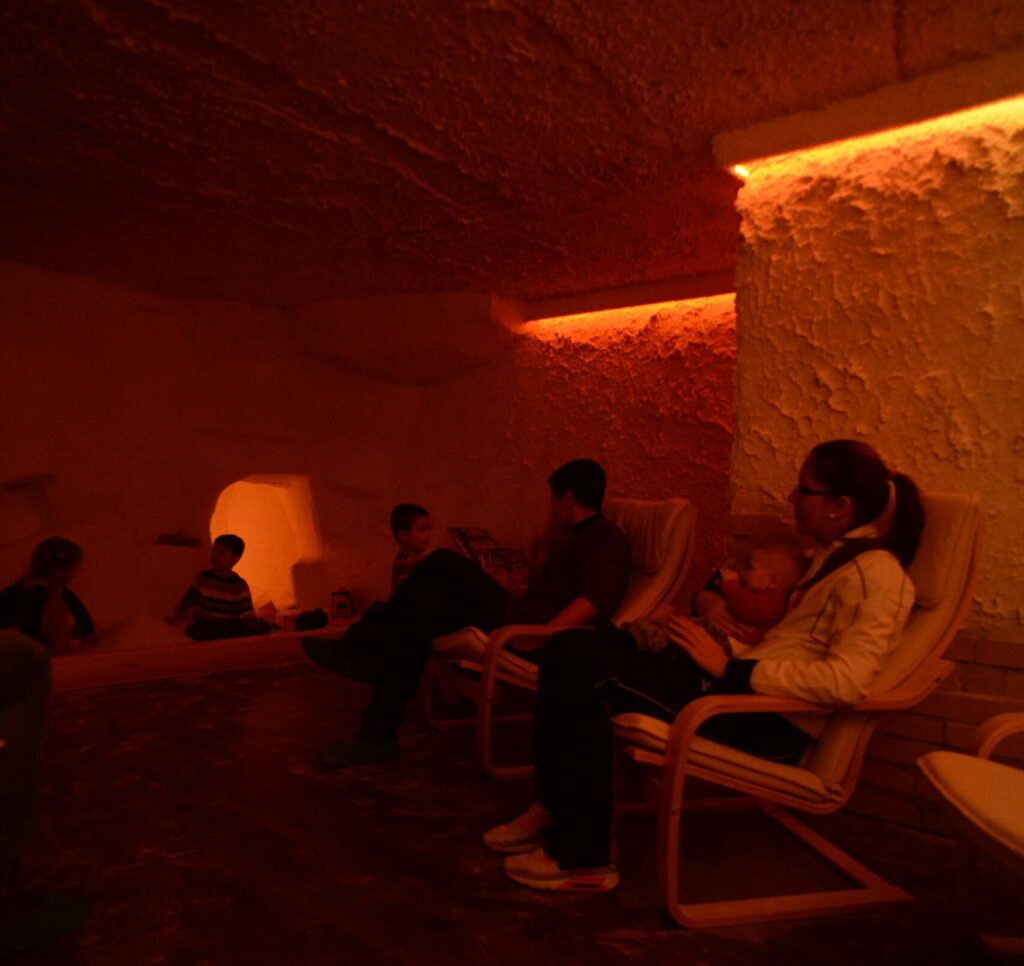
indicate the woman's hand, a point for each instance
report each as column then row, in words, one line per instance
column 699, row 644
column 712, row 606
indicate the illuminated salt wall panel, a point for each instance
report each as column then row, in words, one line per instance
column 646, row 391
column 125, row 416
column 880, row 296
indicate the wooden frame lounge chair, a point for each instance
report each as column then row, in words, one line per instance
column 943, row 572
column 986, row 802
column 475, row 665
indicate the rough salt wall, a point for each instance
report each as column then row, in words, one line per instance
column 124, row 415
column 647, row 394
column 880, row 296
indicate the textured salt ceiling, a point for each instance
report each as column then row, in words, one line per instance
column 289, row 151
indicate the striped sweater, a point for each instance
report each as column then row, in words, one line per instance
column 218, row 598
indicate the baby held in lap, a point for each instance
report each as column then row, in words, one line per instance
column 756, row 597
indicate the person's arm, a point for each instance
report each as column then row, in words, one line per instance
column 874, row 599
column 706, row 652
column 576, row 613
column 86, row 630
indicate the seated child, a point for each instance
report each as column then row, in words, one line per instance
column 42, row 606
column 219, row 600
column 756, row 596
column 410, row 525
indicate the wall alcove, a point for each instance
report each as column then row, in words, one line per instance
column 275, row 517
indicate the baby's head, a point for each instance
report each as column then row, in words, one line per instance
column 773, row 565
column 411, row 526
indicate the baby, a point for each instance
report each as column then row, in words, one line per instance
column 755, row 596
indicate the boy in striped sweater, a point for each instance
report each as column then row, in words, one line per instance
column 218, row 601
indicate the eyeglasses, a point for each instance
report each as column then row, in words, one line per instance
column 807, row 491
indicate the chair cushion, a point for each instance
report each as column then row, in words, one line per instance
column 660, row 536
column 986, row 794
column 648, row 526
column 940, row 572
column 652, row 733
column 945, row 549
column 469, row 644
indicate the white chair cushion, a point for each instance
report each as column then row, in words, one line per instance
column 468, row 645
column 945, row 548
column 652, row 734
column 648, row 526
column 660, row 536
column 939, row 572
column 987, row 794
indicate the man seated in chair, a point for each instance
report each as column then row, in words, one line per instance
column 581, row 578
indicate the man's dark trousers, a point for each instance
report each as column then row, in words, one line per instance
column 444, row 593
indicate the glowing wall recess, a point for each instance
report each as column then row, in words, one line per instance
column 694, row 315
column 880, row 297
column 274, row 516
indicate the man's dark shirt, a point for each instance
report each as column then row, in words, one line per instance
column 590, row 560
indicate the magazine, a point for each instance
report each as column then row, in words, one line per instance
column 478, row 544
column 472, row 541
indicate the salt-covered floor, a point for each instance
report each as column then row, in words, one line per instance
column 188, row 811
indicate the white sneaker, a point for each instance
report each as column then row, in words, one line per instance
column 538, row 870
column 522, row 834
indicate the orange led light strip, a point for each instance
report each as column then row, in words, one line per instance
column 954, row 122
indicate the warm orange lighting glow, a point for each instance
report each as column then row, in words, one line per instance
column 741, row 171
column 587, row 324
column 274, row 516
column 1010, row 111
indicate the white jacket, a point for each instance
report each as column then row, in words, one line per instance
column 834, row 639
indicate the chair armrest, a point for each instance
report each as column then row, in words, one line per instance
column 907, row 694
column 989, row 733
column 500, row 639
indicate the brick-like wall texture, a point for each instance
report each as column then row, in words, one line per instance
column 879, row 297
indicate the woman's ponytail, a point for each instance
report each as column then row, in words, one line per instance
column 907, row 520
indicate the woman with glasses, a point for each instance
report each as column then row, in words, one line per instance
column 844, row 618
